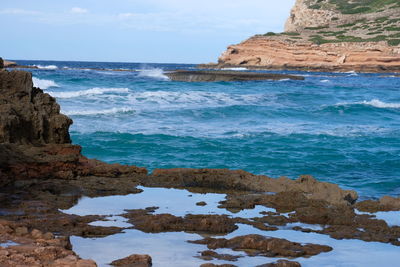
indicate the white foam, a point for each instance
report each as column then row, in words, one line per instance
column 325, row 81
column 236, row 69
column 153, row 73
column 380, row 104
column 99, row 112
column 89, row 92
column 374, row 102
column 44, row 84
column 192, row 99
column 47, row 67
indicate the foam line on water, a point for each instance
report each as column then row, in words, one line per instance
column 88, row 92
column 374, row 102
column 99, row 112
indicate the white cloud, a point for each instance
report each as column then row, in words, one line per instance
column 78, row 10
column 18, row 11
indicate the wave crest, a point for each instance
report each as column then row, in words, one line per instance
column 44, row 84
column 47, row 67
column 374, row 102
column 99, row 112
column 89, row 92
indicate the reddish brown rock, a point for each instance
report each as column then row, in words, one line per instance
column 134, row 260
column 210, row 255
column 149, row 223
column 265, row 246
column 36, row 249
column 244, row 181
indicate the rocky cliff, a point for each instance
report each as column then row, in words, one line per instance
column 327, row 35
column 34, row 136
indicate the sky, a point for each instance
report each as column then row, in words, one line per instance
column 158, row 31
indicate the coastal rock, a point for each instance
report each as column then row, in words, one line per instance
column 1, row 63
column 325, row 35
column 134, row 260
column 146, row 222
column 386, row 203
column 281, row 263
column 265, row 246
column 210, row 255
column 262, row 52
column 9, row 64
column 36, row 249
column 35, row 140
column 244, row 181
column 226, row 76
column 27, row 115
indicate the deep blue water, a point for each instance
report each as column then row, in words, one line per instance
column 339, row 127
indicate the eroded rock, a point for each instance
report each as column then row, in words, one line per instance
column 265, row 246
column 134, row 260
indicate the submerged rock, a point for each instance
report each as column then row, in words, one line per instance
column 226, row 76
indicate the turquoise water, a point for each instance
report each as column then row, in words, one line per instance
column 339, row 127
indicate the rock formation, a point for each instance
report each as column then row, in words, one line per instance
column 326, row 35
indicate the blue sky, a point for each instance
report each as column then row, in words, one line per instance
column 169, row 31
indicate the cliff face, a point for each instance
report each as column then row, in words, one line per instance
column 27, row 115
column 327, row 35
column 34, row 137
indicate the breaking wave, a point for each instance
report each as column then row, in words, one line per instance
column 374, row 102
column 89, row 92
column 47, row 67
column 44, row 84
column 99, row 112
column 153, row 73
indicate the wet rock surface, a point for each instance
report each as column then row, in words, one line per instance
column 282, row 263
column 134, row 261
column 225, row 76
column 146, row 222
column 255, row 245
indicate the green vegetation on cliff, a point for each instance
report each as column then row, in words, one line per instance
column 355, row 6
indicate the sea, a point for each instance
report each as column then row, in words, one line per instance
column 342, row 128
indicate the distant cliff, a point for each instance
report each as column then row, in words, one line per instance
column 327, row 35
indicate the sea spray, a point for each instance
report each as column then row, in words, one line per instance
column 44, row 84
column 155, row 73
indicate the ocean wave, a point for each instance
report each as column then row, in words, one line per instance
column 374, row 102
column 89, row 92
column 44, row 84
column 153, row 73
column 47, row 67
column 192, row 99
column 99, row 112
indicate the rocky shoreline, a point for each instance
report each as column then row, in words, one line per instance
column 42, row 173
column 323, row 36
